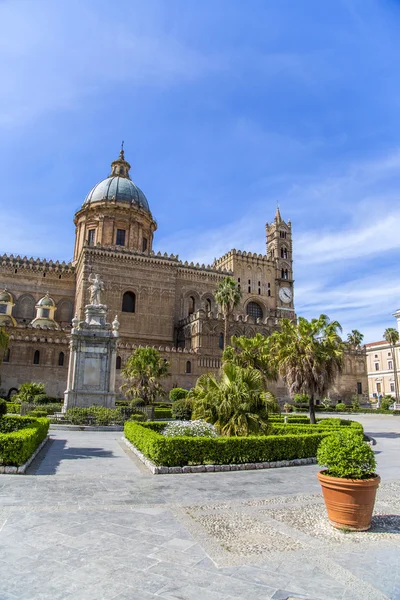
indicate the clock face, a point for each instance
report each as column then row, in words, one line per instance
column 285, row 294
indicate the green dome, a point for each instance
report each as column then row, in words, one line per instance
column 46, row 301
column 5, row 296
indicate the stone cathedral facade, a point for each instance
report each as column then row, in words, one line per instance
column 158, row 299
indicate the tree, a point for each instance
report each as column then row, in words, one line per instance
column 251, row 352
column 355, row 338
column 392, row 336
column 28, row 391
column 228, row 297
column 308, row 356
column 143, row 371
column 237, row 404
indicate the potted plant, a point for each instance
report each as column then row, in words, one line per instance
column 287, row 407
column 349, row 482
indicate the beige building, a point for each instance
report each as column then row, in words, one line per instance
column 380, row 365
column 159, row 299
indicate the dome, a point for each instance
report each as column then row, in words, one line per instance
column 46, row 301
column 118, row 187
column 5, row 296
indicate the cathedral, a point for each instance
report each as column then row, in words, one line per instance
column 159, row 300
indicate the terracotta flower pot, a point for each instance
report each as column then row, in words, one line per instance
column 349, row 502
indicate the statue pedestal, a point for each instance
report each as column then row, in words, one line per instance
column 92, row 361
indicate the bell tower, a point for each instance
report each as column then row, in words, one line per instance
column 280, row 252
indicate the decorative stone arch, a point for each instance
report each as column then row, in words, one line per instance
column 65, row 311
column 191, row 303
column 251, row 310
column 25, row 308
column 208, row 302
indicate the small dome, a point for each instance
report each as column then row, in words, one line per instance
column 46, row 301
column 5, row 296
column 117, row 188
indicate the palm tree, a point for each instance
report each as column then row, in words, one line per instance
column 237, row 405
column 392, row 336
column 142, row 372
column 308, row 356
column 355, row 338
column 251, row 352
column 228, row 297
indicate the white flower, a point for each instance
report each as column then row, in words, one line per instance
column 198, row 428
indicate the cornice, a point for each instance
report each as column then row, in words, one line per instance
column 36, row 264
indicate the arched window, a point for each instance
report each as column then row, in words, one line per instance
column 254, row 310
column 283, row 253
column 36, row 357
column 191, row 305
column 208, row 305
column 285, row 274
column 129, row 302
column 188, row 366
column 6, row 358
column 61, row 359
column 221, row 341
column 118, row 363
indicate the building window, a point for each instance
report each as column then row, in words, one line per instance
column 45, row 313
column 36, row 357
column 390, row 364
column 6, row 358
column 376, row 366
column 188, row 366
column 91, row 237
column 283, row 253
column 269, row 289
column 120, row 241
column 221, row 341
column 238, row 279
column 389, row 354
column 118, row 363
column 249, row 289
column 249, row 282
column 61, row 359
column 376, row 356
column 359, row 387
column 129, row 302
column 282, row 234
column 3, row 309
column 208, row 305
column 378, row 388
column 254, row 310
column 285, row 274
column 392, row 387
column 191, row 305
column 144, row 244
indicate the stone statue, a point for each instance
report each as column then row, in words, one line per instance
column 95, row 289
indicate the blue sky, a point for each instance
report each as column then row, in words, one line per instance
column 226, row 108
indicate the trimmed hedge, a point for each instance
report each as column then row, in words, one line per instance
column 162, row 413
column 26, row 408
column 13, row 409
column 3, row 407
column 181, row 451
column 297, row 428
column 19, row 438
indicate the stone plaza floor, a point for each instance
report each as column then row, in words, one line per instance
column 89, row 522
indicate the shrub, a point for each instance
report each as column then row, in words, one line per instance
column 3, row 407
column 43, row 399
column 180, row 451
column 346, row 456
column 198, row 428
column 37, row 413
column 385, row 402
column 341, row 407
column 355, row 403
column 49, row 409
column 162, row 413
column 182, row 409
column 288, row 407
column 28, row 391
column 178, row 394
column 137, row 417
column 96, row 415
column 13, row 408
column 301, row 399
column 20, row 437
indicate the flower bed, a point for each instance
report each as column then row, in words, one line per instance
column 181, row 451
column 19, row 438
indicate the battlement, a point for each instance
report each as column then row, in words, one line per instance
column 252, row 257
column 270, row 319
column 166, row 349
column 35, row 264
column 154, row 256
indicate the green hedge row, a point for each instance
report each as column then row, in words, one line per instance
column 13, row 409
column 20, row 437
column 181, row 451
column 297, row 428
column 162, row 413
